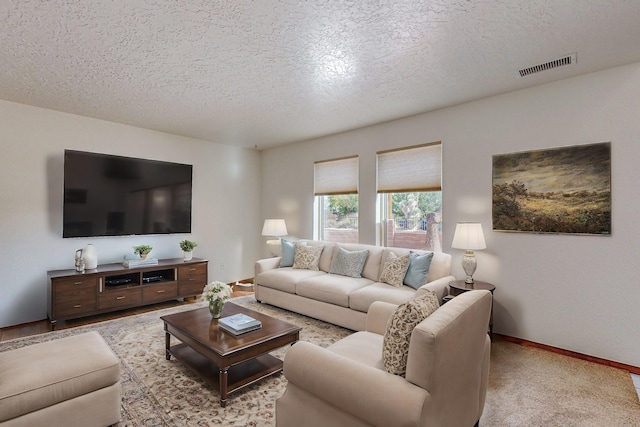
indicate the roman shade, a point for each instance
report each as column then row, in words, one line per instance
column 417, row 168
column 338, row 176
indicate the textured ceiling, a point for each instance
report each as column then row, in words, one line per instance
column 264, row 73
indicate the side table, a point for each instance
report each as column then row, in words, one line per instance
column 459, row 286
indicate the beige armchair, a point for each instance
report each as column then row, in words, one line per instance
column 346, row 384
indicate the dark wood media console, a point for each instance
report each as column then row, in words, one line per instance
column 112, row 287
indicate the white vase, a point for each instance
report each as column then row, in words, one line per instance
column 188, row 255
column 90, row 256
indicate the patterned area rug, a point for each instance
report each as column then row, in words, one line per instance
column 157, row 392
column 527, row 386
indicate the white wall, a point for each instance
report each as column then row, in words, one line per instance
column 225, row 221
column 574, row 292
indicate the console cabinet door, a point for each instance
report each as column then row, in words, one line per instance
column 191, row 279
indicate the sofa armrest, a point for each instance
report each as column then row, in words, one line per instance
column 439, row 286
column 364, row 392
column 378, row 316
column 266, row 264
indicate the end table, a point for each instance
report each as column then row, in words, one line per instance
column 459, row 286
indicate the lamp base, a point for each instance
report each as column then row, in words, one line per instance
column 469, row 264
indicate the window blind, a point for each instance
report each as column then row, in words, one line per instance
column 417, row 168
column 338, row 176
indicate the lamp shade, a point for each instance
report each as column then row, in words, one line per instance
column 274, row 227
column 468, row 236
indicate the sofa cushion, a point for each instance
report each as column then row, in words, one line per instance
column 349, row 263
column 288, row 253
column 440, row 266
column 330, row 288
column 326, row 257
column 395, row 347
column 418, row 269
column 285, row 279
column 363, row 347
column 394, row 269
column 361, row 299
column 307, row 257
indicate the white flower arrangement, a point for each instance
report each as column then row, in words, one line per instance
column 215, row 291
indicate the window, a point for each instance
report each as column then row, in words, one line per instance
column 410, row 196
column 336, row 200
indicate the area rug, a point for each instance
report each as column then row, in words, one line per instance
column 527, row 387
column 157, row 392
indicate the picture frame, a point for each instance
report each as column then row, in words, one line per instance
column 565, row 190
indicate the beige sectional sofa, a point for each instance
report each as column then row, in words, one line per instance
column 339, row 299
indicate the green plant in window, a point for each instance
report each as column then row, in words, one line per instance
column 343, row 205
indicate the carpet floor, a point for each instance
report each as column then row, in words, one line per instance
column 527, row 386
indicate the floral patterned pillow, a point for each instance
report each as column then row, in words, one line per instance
column 394, row 269
column 307, row 257
column 395, row 344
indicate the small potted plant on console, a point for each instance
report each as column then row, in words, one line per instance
column 187, row 247
column 142, row 250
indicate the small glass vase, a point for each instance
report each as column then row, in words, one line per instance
column 215, row 308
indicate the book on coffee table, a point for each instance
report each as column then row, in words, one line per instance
column 239, row 324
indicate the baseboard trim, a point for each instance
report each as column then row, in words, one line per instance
column 630, row 368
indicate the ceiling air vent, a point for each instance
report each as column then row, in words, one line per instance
column 561, row 62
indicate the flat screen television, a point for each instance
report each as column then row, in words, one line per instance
column 106, row 195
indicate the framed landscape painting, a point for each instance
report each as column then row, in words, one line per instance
column 558, row 190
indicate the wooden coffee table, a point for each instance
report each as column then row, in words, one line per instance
column 222, row 359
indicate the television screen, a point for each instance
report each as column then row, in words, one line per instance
column 107, row 195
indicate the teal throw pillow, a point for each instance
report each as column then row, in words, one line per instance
column 349, row 263
column 288, row 253
column 418, row 269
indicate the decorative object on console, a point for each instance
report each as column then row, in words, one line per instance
column 130, row 263
column 276, row 228
column 142, row 250
column 216, row 294
column 187, row 247
column 469, row 236
column 90, row 256
column 79, row 261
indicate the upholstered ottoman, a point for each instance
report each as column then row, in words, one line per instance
column 72, row 381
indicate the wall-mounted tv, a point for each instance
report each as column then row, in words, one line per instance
column 106, row 195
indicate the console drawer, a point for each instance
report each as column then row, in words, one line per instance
column 74, row 296
column 120, row 298
column 79, row 283
column 192, row 279
column 160, row 292
column 72, row 303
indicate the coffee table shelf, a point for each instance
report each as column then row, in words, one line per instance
column 238, row 376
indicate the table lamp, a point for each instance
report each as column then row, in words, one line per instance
column 468, row 236
column 276, row 228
